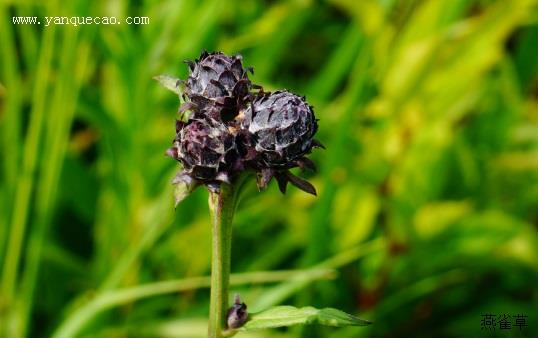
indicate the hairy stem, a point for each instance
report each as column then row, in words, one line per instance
column 221, row 206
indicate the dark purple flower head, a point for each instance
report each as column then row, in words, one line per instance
column 237, row 314
column 283, row 125
column 206, row 150
column 217, row 79
column 231, row 130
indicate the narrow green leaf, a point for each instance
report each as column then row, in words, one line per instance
column 281, row 316
column 169, row 82
column 334, row 317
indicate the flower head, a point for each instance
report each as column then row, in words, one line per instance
column 231, row 130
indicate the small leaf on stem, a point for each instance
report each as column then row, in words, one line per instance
column 281, row 316
column 181, row 191
column 184, row 185
column 169, row 82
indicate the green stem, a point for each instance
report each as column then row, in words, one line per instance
column 221, row 206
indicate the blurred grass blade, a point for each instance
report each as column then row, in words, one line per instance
column 281, row 292
column 24, row 189
column 103, row 301
column 73, row 66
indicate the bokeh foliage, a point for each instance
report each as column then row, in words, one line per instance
column 427, row 212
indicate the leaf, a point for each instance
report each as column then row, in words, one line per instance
column 184, row 186
column 181, row 191
column 169, row 82
column 289, row 315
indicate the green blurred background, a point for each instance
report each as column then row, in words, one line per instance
column 427, row 211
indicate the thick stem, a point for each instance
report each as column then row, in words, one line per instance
column 221, row 206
